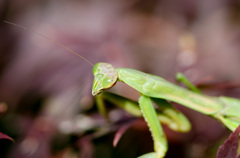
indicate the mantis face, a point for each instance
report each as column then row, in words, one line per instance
column 105, row 76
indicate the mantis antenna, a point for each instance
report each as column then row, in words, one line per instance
column 51, row 40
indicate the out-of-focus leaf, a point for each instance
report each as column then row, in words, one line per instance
column 120, row 133
column 4, row 136
column 149, row 155
column 230, row 146
column 86, row 147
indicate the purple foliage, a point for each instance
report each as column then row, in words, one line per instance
column 4, row 136
column 230, row 146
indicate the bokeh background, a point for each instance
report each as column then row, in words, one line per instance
column 45, row 92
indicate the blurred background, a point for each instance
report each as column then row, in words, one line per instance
column 45, row 92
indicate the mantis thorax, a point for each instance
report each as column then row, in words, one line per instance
column 105, row 76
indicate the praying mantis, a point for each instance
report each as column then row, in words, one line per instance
column 162, row 92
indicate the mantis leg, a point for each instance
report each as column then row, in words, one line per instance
column 126, row 104
column 150, row 116
column 179, row 121
column 101, row 107
column 229, row 115
column 180, row 77
column 167, row 114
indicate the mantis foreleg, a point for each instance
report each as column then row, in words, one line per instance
column 179, row 122
column 166, row 113
column 150, row 116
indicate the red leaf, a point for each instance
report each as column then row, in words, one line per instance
column 119, row 133
column 230, row 146
column 4, row 136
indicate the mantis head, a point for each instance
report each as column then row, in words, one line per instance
column 105, row 76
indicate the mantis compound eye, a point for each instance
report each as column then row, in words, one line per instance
column 108, row 82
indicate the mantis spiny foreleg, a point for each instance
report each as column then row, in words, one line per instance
column 150, row 116
column 166, row 113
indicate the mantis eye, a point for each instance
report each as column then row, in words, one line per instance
column 108, row 82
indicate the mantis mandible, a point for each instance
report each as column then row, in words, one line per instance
column 160, row 91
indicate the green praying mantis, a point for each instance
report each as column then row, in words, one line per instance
column 154, row 89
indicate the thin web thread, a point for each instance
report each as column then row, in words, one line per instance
column 51, row 40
